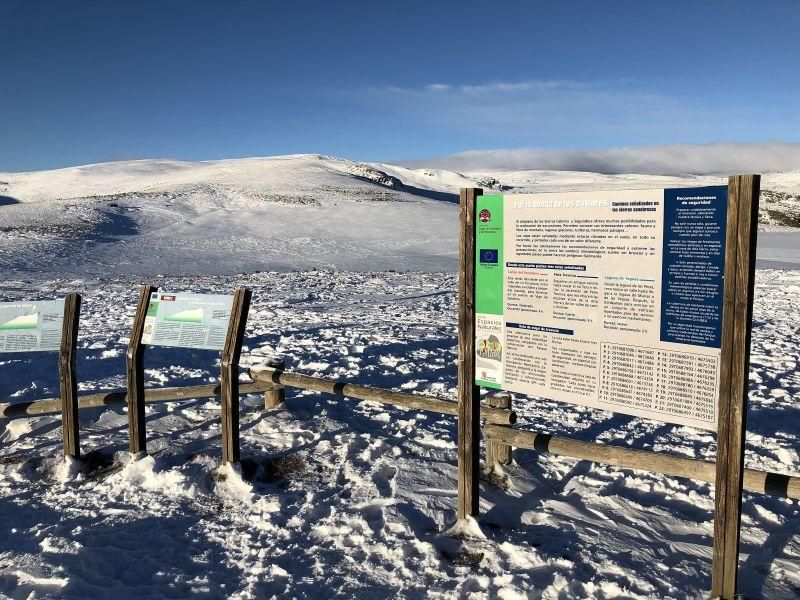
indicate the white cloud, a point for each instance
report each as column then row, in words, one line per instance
column 720, row 158
column 635, row 125
column 543, row 110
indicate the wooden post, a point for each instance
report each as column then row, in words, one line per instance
column 134, row 374
column 468, row 393
column 737, row 316
column 67, row 379
column 498, row 452
column 229, row 376
column 276, row 395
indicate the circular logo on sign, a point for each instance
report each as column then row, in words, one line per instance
column 485, row 216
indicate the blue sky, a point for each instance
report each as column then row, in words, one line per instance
column 85, row 82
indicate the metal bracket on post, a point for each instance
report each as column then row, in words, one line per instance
column 275, row 397
column 498, row 452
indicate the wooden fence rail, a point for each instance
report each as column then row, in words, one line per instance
column 762, row 482
column 497, row 430
column 318, row 384
column 47, row 406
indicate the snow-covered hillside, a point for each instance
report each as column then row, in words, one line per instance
column 172, row 217
column 780, row 201
column 280, row 213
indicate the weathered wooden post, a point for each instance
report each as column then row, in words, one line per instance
column 498, row 452
column 134, row 374
column 737, row 317
column 68, row 381
column 468, row 393
column 229, row 375
column 275, row 397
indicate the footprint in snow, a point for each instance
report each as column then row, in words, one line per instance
column 383, row 478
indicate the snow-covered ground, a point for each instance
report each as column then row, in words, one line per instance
column 338, row 498
column 351, row 498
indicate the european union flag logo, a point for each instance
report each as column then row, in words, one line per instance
column 489, row 256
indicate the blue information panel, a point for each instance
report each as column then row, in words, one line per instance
column 693, row 265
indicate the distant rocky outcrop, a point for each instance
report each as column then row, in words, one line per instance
column 492, row 183
column 779, row 210
column 368, row 173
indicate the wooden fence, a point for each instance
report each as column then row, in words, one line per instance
column 499, row 433
column 498, row 425
column 498, row 429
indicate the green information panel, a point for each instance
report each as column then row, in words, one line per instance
column 31, row 326
column 187, row 320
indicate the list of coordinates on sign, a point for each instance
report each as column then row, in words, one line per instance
column 662, row 381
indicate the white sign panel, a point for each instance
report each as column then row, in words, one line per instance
column 187, row 320
column 31, row 326
column 610, row 300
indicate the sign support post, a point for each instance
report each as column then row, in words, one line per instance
column 134, row 374
column 737, row 316
column 275, row 397
column 68, row 381
column 469, row 396
column 229, row 375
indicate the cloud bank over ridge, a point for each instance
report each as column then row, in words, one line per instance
column 718, row 158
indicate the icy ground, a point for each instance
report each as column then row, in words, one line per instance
column 350, row 499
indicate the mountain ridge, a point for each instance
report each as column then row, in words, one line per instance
column 163, row 216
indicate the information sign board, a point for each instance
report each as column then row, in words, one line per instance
column 187, row 320
column 31, row 326
column 610, row 300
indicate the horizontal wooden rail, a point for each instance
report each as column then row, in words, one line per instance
column 53, row 405
column 774, row 484
column 318, row 384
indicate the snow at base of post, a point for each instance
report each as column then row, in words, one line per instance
column 231, row 485
column 465, row 528
column 68, row 470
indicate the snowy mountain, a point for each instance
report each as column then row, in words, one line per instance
column 277, row 213
column 780, row 198
column 172, row 217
